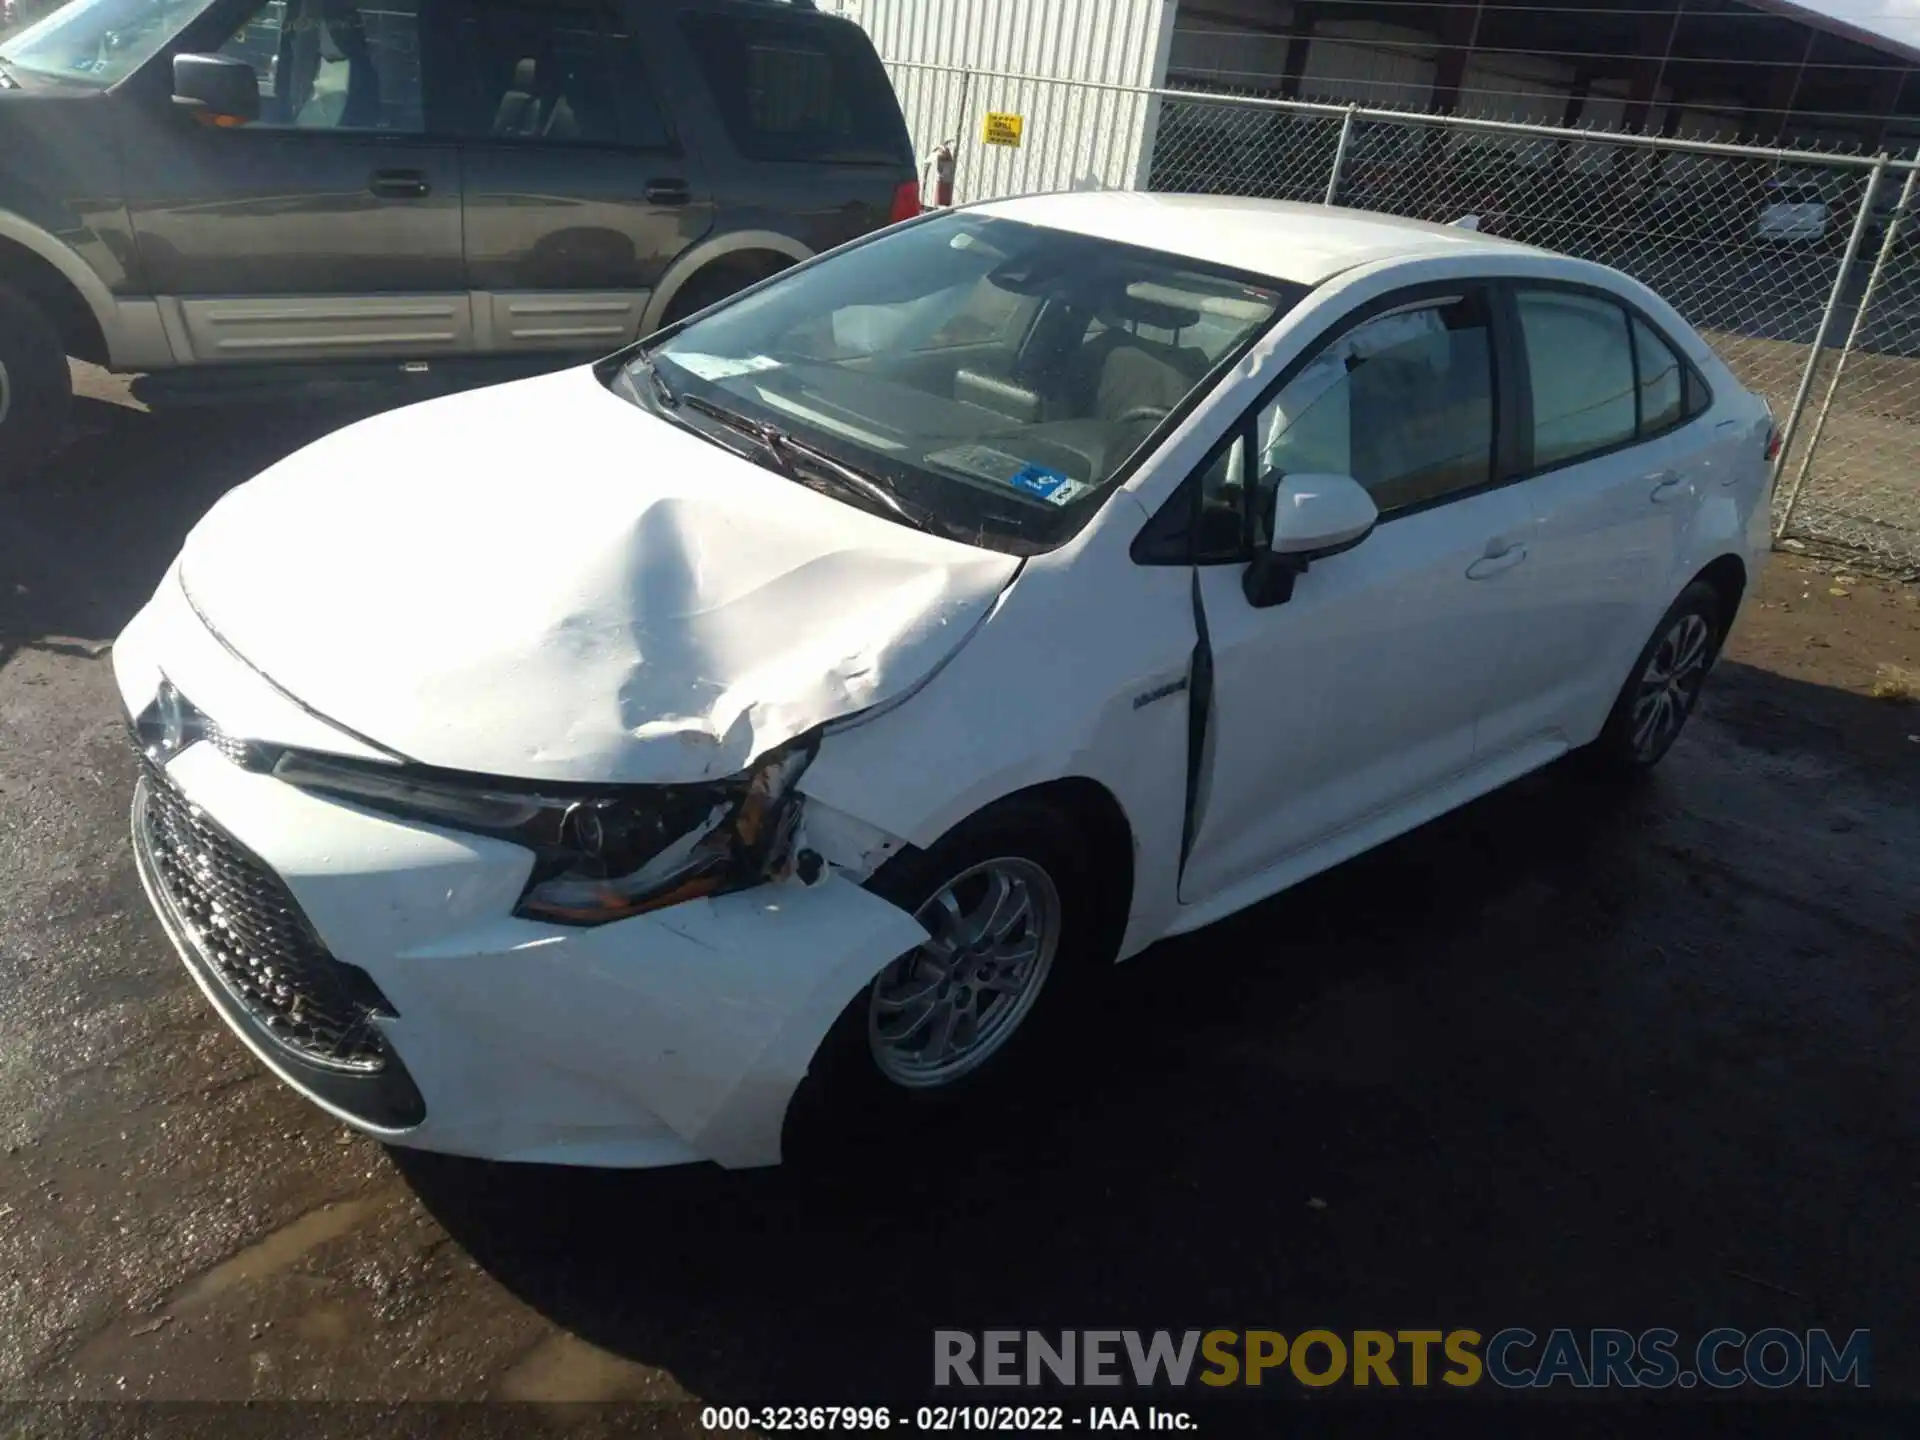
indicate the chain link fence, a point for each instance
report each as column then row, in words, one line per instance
column 1801, row 268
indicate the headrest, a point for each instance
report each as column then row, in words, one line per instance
column 525, row 74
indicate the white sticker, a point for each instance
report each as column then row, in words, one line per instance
column 720, row 367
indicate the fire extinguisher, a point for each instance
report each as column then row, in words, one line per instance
column 941, row 168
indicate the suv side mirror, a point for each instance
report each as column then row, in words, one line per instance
column 1313, row 516
column 218, row 89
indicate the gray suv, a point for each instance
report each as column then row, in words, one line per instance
column 284, row 189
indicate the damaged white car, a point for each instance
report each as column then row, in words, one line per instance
column 813, row 694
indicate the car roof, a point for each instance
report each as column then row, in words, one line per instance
column 1279, row 238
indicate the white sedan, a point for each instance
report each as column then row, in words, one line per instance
column 808, row 697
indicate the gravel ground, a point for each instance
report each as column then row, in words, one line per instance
column 1558, row 1059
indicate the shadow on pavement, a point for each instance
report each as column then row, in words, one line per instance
column 1168, row 1175
column 89, row 534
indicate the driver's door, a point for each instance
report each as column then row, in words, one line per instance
column 328, row 229
column 1360, row 693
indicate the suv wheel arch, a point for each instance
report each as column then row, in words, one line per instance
column 753, row 254
column 75, row 300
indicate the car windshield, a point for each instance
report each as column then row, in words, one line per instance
column 993, row 376
column 98, row 42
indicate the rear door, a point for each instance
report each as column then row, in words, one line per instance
column 1616, row 473
column 814, row 143
column 330, row 228
column 579, row 190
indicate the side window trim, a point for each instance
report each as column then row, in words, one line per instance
column 1484, row 288
column 1516, row 337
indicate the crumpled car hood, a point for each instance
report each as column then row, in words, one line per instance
column 541, row 580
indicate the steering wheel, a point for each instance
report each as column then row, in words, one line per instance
column 1137, row 413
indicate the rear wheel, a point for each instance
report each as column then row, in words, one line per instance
column 36, row 387
column 1665, row 684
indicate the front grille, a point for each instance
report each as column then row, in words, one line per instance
column 247, row 926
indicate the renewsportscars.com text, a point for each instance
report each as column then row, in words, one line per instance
column 1513, row 1358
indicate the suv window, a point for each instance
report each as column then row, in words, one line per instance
column 796, row 90
column 554, row 74
column 1403, row 403
column 334, row 65
column 1580, row 362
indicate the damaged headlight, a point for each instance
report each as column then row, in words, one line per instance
column 599, row 855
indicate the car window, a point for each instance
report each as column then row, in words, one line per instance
column 334, row 65
column 557, row 74
column 791, row 90
column 1662, row 380
column 1403, row 403
column 1580, row 364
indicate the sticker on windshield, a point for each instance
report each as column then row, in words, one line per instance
column 981, row 461
column 721, row 367
column 1050, row 485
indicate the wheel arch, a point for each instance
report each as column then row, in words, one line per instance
column 1094, row 812
column 75, row 299
column 1727, row 577
column 737, row 250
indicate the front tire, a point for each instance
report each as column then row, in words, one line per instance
column 1013, row 922
column 36, row 388
column 1660, row 694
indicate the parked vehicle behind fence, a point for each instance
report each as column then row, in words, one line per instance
column 291, row 188
column 1792, row 212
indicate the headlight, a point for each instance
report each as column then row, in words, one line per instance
column 599, row 855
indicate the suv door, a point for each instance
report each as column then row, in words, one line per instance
column 1615, row 476
column 329, row 228
column 1361, row 693
column 578, row 191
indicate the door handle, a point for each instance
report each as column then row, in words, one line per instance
column 1670, row 487
column 668, row 192
column 400, row 184
column 1490, row 565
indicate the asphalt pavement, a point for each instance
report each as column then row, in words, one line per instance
column 1562, row 1059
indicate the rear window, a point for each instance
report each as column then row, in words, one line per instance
column 799, row 90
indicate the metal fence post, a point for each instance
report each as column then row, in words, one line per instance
column 1340, row 154
column 1853, row 338
column 1826, row 319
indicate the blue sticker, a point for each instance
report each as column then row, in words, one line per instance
column 1038, row 480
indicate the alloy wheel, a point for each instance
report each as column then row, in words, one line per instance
column 1669, row 686
column 943, row 1010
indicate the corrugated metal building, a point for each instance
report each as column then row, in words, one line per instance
column 945, row 56
column 1768, row 71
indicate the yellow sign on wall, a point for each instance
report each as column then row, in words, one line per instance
column 1004, row 129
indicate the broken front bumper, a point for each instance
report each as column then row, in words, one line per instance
column 669, row 1037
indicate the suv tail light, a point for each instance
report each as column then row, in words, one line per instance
column 906, row 202
column 1773, row 442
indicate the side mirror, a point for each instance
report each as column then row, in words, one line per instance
column 1313, row 516
column 218, row 89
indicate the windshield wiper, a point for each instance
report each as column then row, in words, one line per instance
column 785, row 448
column 662, row 391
